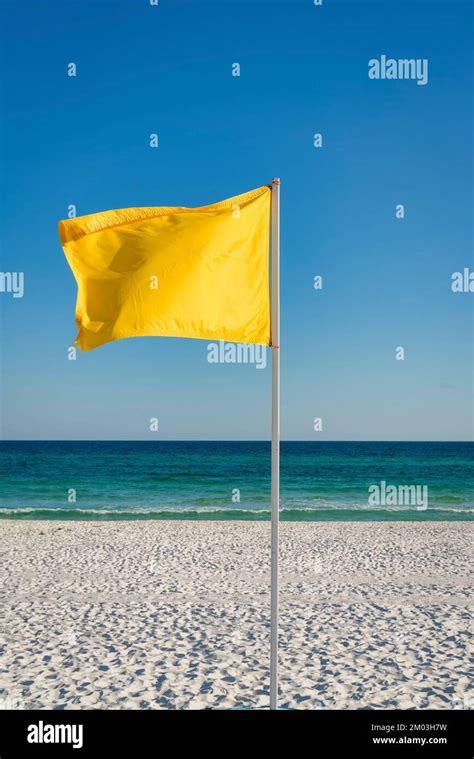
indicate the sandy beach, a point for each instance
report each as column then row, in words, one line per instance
column 175, row 615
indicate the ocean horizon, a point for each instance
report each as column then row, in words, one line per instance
column 228, row 480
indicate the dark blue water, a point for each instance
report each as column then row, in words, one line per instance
column 231, row 480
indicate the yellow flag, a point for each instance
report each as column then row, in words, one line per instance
column 179, row 272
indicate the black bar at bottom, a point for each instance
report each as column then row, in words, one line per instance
column 153, row 733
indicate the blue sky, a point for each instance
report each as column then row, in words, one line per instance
column 304, row 69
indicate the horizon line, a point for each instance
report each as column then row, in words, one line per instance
column 216, row 440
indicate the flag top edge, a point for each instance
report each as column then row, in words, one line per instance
column 80, row 226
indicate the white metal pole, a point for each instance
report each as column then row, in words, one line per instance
column 275, row 331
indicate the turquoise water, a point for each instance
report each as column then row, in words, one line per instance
column 200, row 480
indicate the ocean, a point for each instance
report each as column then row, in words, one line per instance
column 231, row 480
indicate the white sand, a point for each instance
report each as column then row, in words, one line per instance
column 176, row 615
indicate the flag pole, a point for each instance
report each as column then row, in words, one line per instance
column 275, row 343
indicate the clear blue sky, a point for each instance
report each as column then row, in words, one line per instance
column 304, row 69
